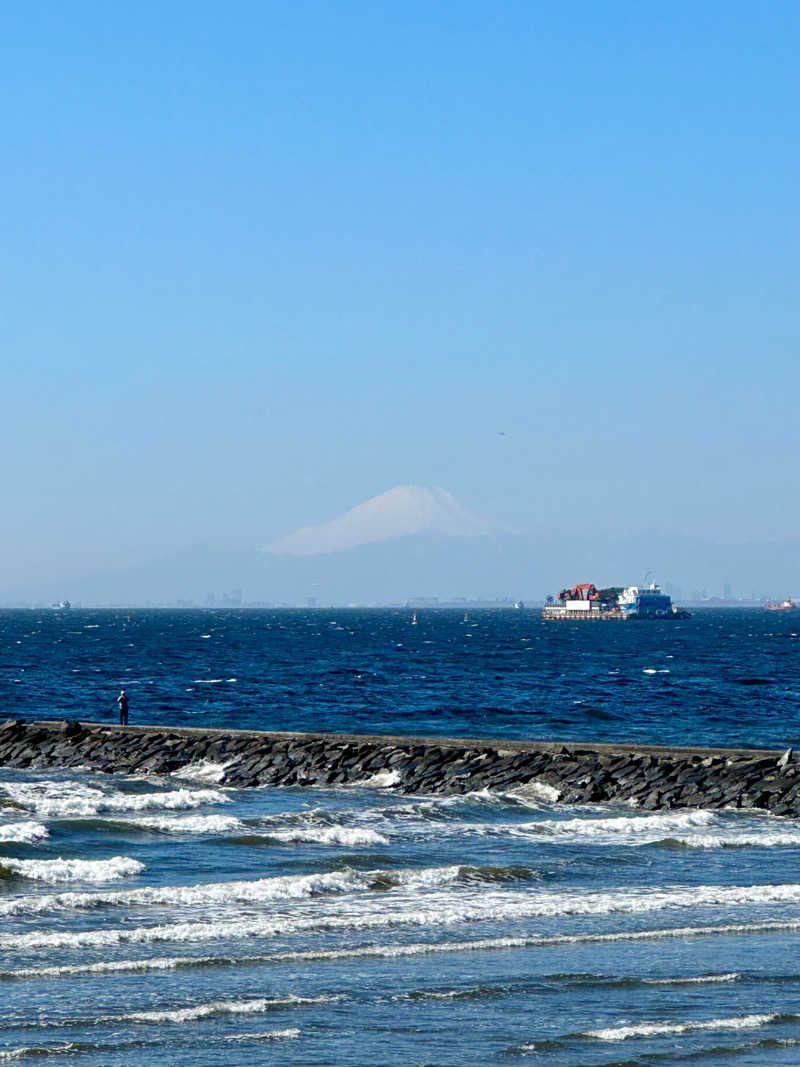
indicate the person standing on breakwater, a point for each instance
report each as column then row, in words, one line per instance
column 122, row 700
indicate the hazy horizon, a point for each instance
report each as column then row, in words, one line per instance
column 415, row 542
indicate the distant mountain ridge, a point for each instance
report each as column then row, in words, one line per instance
column 399, row 512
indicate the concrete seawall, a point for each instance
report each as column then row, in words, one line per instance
column 648, row 776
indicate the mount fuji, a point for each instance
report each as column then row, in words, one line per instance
column 400, row 512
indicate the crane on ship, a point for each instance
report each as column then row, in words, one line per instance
column 576, row 593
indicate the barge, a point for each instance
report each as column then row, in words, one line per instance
column 587, row 603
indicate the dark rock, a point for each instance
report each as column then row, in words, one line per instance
column 581, row 775
column 777, row 785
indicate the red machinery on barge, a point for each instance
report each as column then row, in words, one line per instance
column 588, row 603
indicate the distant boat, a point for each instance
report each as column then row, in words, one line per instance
column 785, row 605
column 414, row 619
column 590, row 604
column 62, row 605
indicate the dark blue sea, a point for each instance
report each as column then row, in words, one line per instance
column 169, row 918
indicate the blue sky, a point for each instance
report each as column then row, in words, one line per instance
column 263, row 261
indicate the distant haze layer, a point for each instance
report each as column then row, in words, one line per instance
column 404, row 510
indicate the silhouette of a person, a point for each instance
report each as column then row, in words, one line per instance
column 122, row 700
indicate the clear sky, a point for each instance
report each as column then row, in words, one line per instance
column 262, row 261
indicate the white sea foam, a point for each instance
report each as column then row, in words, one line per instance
column 746, row 837
column 25, row 833
column 634, row 826
column 431, row 994
column 202, row 771
column 381, row 780
column 485, row 795
column 266, row 1035
column 71, row 799
column 532, row 795
column 658, row 1029
column 430, row 819
column 189, row 824
column 171, row 800
column 352, row 837
column 25, row 1051
column 257, row 1005
column 492, row 944
column 157, row 963
column 431, row 809
column 635, row 823
column 681, row 827
column 701, row 979
column 207, row 681
column 535, row 791
column 440, row 907
column 74, row 870
column 262, row 890
column 405, row 906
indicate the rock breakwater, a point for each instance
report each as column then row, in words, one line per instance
column 650, row 777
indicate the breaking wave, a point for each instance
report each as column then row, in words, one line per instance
column 23, row 833
column 659, row 1029
column 352, row 837
column 73, row 870
column 397, row 950
column 266, row 1035
column 257, row 1005
column 622, row 824
column 381, row 780
column 262, row 890
column 435, row 908
column 534, row 791
column 25, row 1051
column 53, row 799
column 202, row 771
column 188, row 824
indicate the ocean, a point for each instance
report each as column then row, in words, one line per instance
column 171, row 918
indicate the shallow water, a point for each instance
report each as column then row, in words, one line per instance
column 172, row 918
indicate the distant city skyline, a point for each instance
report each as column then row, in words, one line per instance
column 264, row 263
